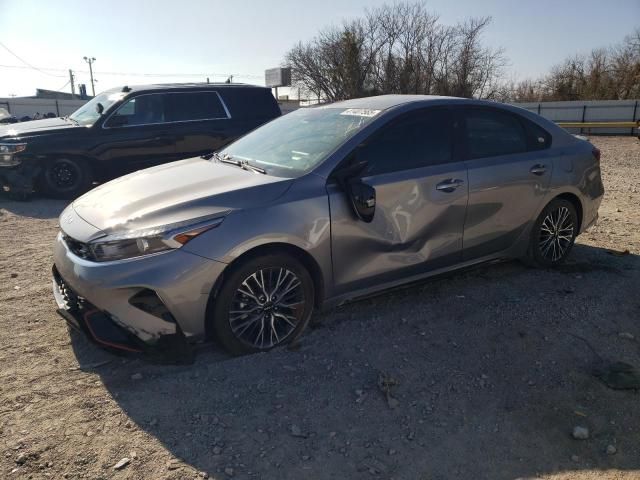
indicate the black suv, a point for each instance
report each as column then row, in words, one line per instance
column 126, row 129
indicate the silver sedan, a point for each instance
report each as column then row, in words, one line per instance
column 313, row 209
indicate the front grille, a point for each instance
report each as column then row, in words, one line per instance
column 72, row 299
column 80, row 249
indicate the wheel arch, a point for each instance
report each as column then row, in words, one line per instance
column 83, row 164
column 294, row 251
column 575, row 201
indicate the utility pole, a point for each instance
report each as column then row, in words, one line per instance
column 73, row 87
column 90, row 61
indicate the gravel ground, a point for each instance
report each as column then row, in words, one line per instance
column 482, row 374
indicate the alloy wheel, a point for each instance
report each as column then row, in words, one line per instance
column 267, row 307
column 64, row 174
column 556, row 234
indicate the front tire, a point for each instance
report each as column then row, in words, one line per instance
column 66, row 178
column 553, row 234
column 265, row 302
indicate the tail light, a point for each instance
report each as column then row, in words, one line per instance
column 596, row 153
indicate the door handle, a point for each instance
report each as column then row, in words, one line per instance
column 449, row 185
column 538, row 169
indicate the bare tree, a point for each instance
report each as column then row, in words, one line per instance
column 604, row 74
column 399, row 48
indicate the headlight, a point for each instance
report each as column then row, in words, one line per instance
column 7, row 152
column 12, row 147
column 136, row 243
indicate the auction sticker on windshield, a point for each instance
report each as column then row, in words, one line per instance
column 360, row 112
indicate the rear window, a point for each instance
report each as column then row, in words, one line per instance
column 251, row 103
column 181, row 107
column 491, row 133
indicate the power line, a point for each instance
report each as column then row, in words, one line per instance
column 132, row 74
column 27, row 63
column 60, row 89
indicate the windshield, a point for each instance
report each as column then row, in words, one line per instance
column 295, row 143
column 87, row 114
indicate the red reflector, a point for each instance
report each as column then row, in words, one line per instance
column 596, row 153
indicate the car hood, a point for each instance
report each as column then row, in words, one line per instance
column 36, row 127
column 176, row 192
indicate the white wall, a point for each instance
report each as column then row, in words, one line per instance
column 21, row 107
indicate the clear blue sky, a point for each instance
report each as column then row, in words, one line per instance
column 241, row 37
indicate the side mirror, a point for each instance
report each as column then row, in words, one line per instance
column 363, row 199
column 361, row 196
column 99, row 108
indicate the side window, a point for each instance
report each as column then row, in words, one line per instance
column 194, row 106
column 419, row 139
column 538, row 138
column 142, row 110
column 491, row 133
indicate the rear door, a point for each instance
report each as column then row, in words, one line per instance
column 200, row 121
column 136, row 136
column 421, row 198
column 509, row 171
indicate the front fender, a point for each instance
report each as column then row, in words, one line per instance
column 303, row 223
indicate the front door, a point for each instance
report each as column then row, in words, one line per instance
column 137, row 135
column 509, row 174
column 421, row 198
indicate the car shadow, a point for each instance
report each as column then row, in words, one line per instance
column 481, row 374
column 35, row 208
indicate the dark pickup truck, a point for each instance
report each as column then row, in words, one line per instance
column 127, row 129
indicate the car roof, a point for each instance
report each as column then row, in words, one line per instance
column 406, row 102
column 185, row 86
column 383, row 102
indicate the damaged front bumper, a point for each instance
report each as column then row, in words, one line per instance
column 20, row 179
column 154, row 304
column 104, row 329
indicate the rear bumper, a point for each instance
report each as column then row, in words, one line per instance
column 590, row 214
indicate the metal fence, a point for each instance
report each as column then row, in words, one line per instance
column 559, row 112
column 589, row 111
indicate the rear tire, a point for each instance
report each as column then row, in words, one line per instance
column 265, row 302
column 66, row 178
column 553, row 234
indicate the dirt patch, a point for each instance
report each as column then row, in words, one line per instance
column 482, row 374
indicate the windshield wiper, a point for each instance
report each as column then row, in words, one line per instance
column 71, row 119
column 244, row 164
